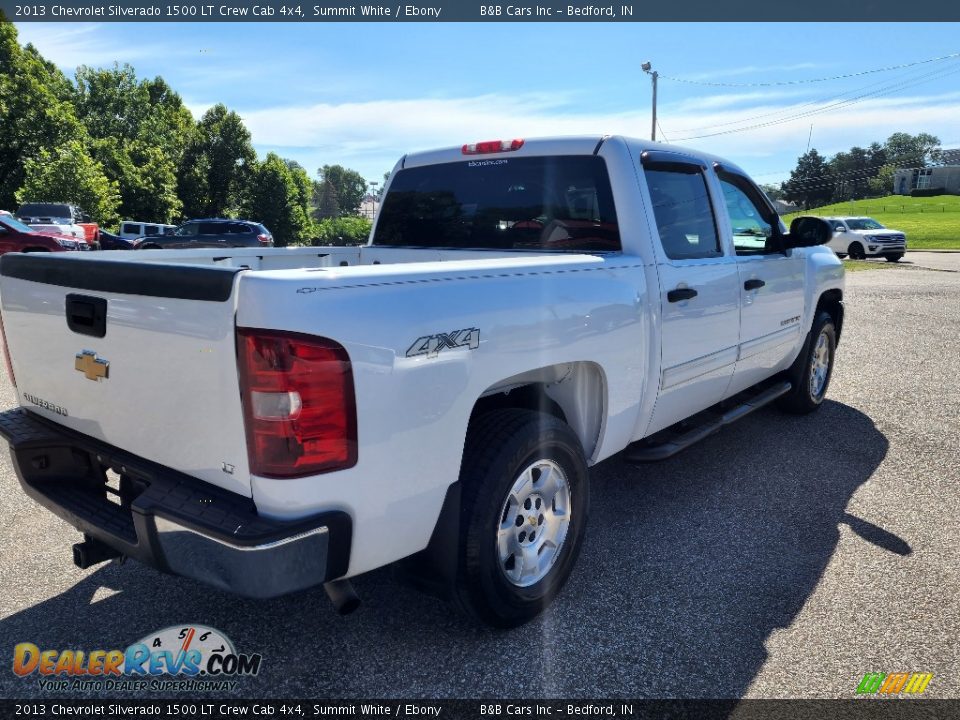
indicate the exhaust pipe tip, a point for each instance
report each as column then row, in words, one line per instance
column 92, row 552
column 344, row 598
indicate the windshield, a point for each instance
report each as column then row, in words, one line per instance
column 549, row 203
column 15, row 224
column 863, row 224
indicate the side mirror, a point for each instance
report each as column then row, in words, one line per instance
column 807, row 231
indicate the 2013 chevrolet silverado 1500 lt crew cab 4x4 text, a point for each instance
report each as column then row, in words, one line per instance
column 269, row 419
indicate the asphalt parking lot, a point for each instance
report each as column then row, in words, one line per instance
column 783, row 557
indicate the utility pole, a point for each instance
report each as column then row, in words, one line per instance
column 646, row 67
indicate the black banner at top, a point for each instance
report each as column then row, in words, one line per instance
column 618, row 11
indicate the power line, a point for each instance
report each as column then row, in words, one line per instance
column 938, row 74
column 795, row 108
column 811, row 80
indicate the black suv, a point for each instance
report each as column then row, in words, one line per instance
column 210, row 233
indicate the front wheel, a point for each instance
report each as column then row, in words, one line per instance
column 526, row 502
column 856, row 251
column 893, row 257
column 811, row 372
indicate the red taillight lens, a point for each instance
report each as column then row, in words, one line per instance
column 298, row 403
column 6, row 353
column 264, row 238
column 492, row 146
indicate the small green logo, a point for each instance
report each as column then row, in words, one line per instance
column 878, row 683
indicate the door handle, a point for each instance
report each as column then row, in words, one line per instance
column 681, row 294
column 753, row 284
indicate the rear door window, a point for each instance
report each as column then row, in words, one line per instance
column 546, row 203
column 211, row 228
column 682, row 209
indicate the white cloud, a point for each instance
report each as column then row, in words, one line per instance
column 374, row 134
column 69, row 45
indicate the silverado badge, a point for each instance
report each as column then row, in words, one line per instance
column 92, row 367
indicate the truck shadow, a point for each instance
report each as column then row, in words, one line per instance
column 688, row 567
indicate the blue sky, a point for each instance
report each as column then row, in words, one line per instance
column 363, row 94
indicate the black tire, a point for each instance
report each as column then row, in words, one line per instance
column 856, row 251
column 500, row 446
column 802, row 399
column 893, row 257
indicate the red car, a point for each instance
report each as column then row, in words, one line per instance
column 17, row 237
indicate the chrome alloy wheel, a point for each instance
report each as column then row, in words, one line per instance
column 533, row 523
column 820, row 365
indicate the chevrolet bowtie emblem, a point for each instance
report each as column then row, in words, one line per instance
column 92, row 367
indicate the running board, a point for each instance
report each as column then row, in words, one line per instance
column 660, row 451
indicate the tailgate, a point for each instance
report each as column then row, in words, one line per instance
column 138, row 355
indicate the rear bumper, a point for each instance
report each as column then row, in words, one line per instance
column 171, row 521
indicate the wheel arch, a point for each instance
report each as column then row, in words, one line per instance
column 574, row 392
column 831, row 301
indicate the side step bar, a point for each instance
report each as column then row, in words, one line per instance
column 660, row 451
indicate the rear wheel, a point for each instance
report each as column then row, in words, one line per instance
column 525, row 507
column 893, row 257
column 856, row 251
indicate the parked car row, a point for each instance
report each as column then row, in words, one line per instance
column 54, row 227
column 61, row 218
column 209, row 233
column 16, row 236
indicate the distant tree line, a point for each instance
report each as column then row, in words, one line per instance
column 123, row 147
column 856, row 173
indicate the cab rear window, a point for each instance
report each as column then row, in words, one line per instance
column 559, row 203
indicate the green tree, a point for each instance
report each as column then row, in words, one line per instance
column 348, row 230
column 851, row 171
column 327, row 203
column 341, row 191
column 810, row 183
column 774, row 192
column 221, row 144
column 275, row 198
column 138, row 130
column 882, row 182
column 35, row 112
column 68, row 173
column 908, row 150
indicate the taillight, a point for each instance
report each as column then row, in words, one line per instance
column 492, row 146
column 6, row 353
column 298, row 403
column 264, row 238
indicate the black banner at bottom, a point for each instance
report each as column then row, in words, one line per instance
column 854, row 709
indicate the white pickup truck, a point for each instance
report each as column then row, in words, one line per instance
column 267, row 420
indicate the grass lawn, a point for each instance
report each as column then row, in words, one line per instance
column 930, row 223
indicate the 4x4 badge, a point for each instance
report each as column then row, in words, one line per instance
column 92, row 367
column 431, row 345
